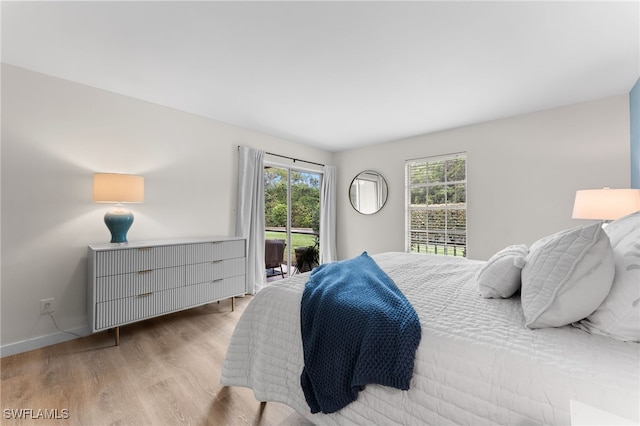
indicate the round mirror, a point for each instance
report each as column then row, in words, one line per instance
column 368, row 192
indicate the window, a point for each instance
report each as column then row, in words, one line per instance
column 436, row 189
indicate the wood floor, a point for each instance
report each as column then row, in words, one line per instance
column 166, row 371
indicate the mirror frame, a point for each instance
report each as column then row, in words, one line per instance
column 385, row 192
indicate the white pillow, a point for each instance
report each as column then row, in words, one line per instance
column 566, row 276
column 500, row 277
column 619, row 314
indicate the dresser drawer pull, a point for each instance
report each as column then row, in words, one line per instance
column 217, row 281
column 146, row 271
column 145, row 248
column 217, row 261
column 145, row 294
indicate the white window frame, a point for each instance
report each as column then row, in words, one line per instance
column 444, row 247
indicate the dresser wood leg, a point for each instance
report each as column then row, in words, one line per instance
column 233, row 304
column 117, row 336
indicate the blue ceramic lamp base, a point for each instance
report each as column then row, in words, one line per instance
column 118, row 220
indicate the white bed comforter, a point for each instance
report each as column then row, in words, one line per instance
column 477, row 364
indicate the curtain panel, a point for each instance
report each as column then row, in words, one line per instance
column 250, row 214
column 328, row 252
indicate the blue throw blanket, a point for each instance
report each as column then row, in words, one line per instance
column 357, row 328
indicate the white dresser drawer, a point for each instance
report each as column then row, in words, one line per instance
column 122, row 311
column 112, row 287
column 210, row 271
column 217, row 250
column 113, row 262
column 198, row 294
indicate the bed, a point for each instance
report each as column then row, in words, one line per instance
column 477, row 362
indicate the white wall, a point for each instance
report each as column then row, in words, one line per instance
column 522, row 175
column 55, row 135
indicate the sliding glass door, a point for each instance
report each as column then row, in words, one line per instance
column 292, row 214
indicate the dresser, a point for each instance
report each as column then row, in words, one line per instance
column 138, row 280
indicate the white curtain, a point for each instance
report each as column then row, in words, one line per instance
column 250, row 214
column 328, row 252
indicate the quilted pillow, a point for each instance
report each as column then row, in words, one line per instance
column 619, row 314
column 500, row 277
column 566, row 276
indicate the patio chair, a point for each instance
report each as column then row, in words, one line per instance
column 274, row 255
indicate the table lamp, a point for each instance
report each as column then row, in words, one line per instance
column 605, row 204
column 119, row 189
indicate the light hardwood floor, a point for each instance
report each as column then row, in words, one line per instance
column 166, row 371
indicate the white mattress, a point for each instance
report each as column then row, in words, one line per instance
column 476, row 364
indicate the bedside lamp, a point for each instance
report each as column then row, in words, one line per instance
column 605, row 204
column 118, row 188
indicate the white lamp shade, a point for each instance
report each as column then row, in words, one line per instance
column 117, row 188
column 605, row 204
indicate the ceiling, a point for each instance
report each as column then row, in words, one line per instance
column 335, row 75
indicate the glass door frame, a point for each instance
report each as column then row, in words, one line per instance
column 290, row 168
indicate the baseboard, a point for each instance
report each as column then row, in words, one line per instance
column 42, row 341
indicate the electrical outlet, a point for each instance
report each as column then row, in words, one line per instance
column 46, row 306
